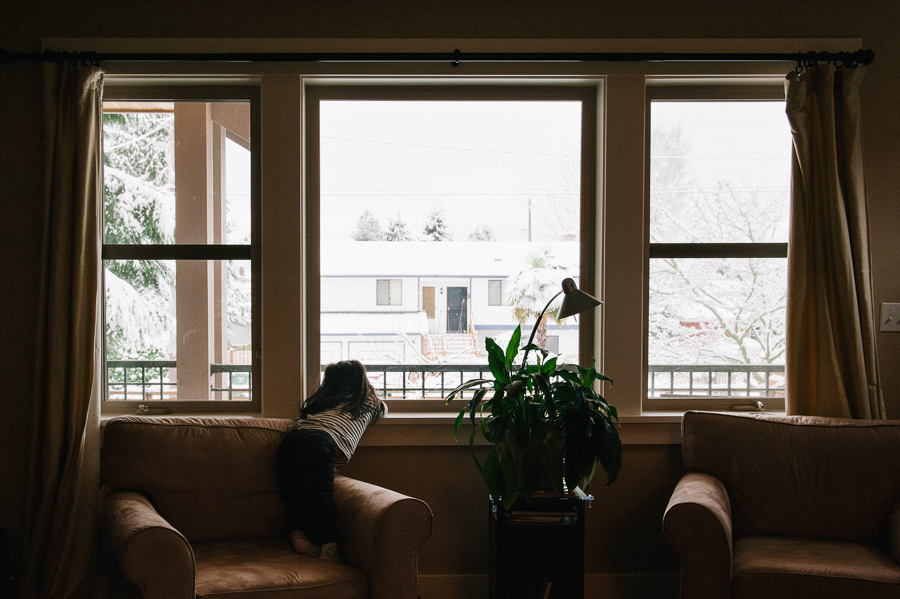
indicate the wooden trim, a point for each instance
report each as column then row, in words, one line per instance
column 718, row 250
column 185, row 251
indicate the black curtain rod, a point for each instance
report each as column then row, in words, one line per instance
column 803, row 59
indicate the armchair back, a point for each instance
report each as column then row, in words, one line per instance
column 211, row 478
column 800, row 476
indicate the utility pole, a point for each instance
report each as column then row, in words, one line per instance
column 529, row 219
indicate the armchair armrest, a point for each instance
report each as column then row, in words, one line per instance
column 697, row 523
column 144, row 545
column 381, row 533
column 894, row 533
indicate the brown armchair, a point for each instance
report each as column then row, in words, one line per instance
column 190, row 508
column 787, row 506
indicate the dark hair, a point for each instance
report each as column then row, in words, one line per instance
column 345, row 384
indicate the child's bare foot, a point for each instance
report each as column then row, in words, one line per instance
column 303, row 545
column 330, row 553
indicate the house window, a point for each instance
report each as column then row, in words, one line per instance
column 480, row 195
column 552, row 344
column 719, row 181
column 389, row 292
column 178, row 236
column 495, row 292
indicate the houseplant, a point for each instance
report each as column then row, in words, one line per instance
column 546, row 423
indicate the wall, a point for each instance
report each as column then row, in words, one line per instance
column 624, row 533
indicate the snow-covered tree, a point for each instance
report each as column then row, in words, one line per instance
column 397, row 231
column 138, row 208
column 482, row 233
column 435, row 228
column 368, row 228
column 713, row 310
column 529, row 290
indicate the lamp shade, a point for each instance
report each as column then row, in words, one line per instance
column 575, row 301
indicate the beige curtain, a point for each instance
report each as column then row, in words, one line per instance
column 832, row 367
column 61, row 541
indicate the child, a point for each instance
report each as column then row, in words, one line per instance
column 331, row 422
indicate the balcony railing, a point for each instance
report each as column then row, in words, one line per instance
column 147, row 380
column 713, row 381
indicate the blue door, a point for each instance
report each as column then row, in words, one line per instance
column 456, row 309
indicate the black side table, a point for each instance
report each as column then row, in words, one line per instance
column 537, row 547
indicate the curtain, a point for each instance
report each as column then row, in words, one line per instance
column 831, row 362
column 64, row 472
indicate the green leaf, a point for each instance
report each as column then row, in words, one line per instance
column 510, row 478
column 549, row 366
column 542, row 382
column 473, row 404
column 475, row 453
column 491, row 474
column 512, row 350
column 553, row 449
column 464, row 386
column 497, row 361
column 611, row 454
column 534, row 347
column 459, row 419
column 532, row 465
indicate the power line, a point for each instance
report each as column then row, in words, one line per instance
column 395, row 143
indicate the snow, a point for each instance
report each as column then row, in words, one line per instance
column 438, row 258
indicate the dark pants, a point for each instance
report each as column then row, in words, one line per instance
column 305, row 465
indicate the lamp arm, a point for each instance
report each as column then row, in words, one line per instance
column 535, row 327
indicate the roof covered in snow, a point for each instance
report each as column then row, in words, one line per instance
column 438, row 258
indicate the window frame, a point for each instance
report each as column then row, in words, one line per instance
column 393, row 299
column 502, row 291
column 587, row 90
column 711, row 89
column 190, row 89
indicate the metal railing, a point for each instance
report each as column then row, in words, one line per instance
column 421, row 381
column 237, row 383
column 713, row 381
column 148, row 380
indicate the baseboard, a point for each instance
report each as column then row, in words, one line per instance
column 607, row 586
column 631, row 586
column 437, row 586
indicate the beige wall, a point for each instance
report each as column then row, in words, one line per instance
column 624, row 525
column 624, row 545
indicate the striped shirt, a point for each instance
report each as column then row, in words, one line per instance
column 341, row 427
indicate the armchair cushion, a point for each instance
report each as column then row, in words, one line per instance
column 270, row 569
column 775, row 567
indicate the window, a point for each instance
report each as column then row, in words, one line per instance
column 389, row 292
column 178, row 250
column 719, row 182
column 496, row 290
column 478, row 199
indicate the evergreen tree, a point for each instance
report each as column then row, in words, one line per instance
column 138, row 208
column 482, row 233
column 397, row 231
column 435, row 228
column 368, row 228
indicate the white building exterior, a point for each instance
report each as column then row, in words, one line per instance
column 428, row 302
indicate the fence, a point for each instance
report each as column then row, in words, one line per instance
column 150, row 380
column 732, row 380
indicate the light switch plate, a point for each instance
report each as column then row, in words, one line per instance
column 890, row 318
